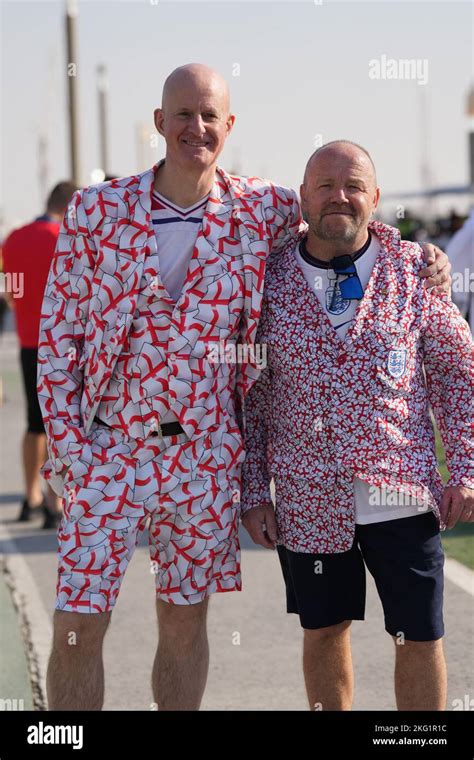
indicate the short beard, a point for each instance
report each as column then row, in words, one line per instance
column 347, row 235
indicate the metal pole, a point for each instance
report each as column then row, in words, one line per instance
column 71, row 16
column 43, row 177
column 102, row 91
column 425, row 168
column 141, row 135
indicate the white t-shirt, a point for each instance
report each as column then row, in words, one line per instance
column 323, row 282
column 371, row 503
column 176, row 230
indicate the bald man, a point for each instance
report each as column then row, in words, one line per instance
column 147, row 350
column 340, row 419
column 156, row 281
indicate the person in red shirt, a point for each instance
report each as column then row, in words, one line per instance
column 27, row 255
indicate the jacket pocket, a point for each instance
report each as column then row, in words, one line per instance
column 94, row 489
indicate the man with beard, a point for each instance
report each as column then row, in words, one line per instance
column 340, row 420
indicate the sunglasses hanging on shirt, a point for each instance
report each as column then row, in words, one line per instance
column 350, row 288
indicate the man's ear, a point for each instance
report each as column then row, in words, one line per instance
column 230, row 123
column 302, row 197
column 158, row 118
column 376, row 198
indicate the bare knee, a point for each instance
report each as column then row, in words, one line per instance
column 77, row 631
column 183, row 622
column 418, row 648
column 328, row 633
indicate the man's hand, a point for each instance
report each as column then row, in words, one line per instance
column 457, row 505
column 438, row 269
column 261, row 526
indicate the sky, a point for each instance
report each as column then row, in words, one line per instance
column 299, row 73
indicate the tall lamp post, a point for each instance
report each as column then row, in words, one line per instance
column 71, row 46
column 102, row 91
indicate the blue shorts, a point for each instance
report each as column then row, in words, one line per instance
column 405, row 558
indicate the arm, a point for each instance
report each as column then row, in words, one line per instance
column 64, row 316
column 449, row 367
column 283, row 216
column 256, row 504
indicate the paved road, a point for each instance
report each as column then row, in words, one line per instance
column 255, row 645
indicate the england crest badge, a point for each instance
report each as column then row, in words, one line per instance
column 397, row 362
column 335, row 303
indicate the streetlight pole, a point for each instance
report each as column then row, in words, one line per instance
column 42, row 152
column 102, row 91
column 71, row 16
column 142, row 146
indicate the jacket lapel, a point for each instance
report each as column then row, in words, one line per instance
column 215, row 236
column 125, row 242
column 379, row 304
column 222, row 235
column 303, row 303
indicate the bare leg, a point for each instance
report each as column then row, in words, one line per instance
column 420, row 675
column 182, row 658
column 33, row 451
column 75, row 679
column 52, row 500
column 327, row 667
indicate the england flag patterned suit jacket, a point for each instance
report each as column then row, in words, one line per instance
column 105, row 256
column 325, row 410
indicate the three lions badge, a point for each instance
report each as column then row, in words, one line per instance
column 397, row 362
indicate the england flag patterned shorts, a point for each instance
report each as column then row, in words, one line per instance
column 184, row 492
